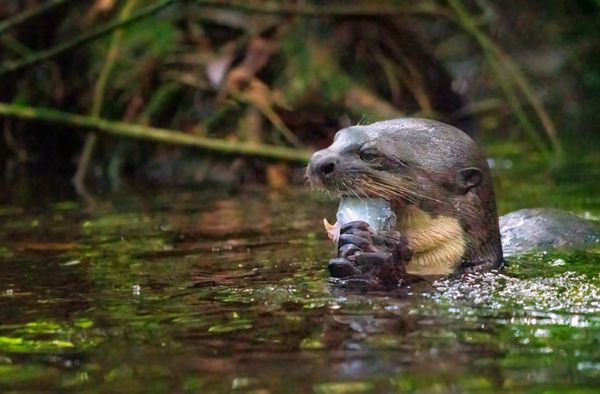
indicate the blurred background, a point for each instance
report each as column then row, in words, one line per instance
column 113, row 94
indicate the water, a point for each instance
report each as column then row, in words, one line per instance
column 209, row 291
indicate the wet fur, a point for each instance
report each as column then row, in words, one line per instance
column 420, row 168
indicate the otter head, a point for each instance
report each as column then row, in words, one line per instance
column 436, row 179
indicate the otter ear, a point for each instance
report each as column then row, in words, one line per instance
column 468, row 178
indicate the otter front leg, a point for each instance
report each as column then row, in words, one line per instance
column 369, row 260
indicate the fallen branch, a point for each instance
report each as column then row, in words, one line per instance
column 128, row 130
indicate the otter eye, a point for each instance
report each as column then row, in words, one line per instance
column 369, row 155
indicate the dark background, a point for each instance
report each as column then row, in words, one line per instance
column 522, row 77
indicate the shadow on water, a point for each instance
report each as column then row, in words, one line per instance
column 206, row 291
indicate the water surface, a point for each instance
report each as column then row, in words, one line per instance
column 213, row 291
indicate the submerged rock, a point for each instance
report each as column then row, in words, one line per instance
column 546, row 229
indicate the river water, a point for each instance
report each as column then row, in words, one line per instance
column 207, row 290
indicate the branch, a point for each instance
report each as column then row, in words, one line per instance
column 98, row 101
column 28, row 14
column 242, row 6
column 128, row 130
column 85, row 38
column 340, row 9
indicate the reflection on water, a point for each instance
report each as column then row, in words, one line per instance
column 203, row 291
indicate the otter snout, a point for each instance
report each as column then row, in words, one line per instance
column 322, row 166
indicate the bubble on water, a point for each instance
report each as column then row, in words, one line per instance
column 558, row 262
column 568, row 292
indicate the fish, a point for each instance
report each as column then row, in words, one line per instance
column 377, row 212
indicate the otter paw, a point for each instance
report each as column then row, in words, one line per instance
column 396, row 244
column 367, row 270
column 343, row 268
column 372, row 260
column 379, row 267
column 359, row 235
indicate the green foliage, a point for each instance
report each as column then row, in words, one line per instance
column 204, row 66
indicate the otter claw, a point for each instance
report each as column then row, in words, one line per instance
column 360, row 242
column 348, row 250
column 355, row 225
column 342, row 268
column 370, row 260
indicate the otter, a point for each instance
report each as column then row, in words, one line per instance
column 439, row 186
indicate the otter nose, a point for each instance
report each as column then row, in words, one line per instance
column 323, row 163
column 326, row 167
